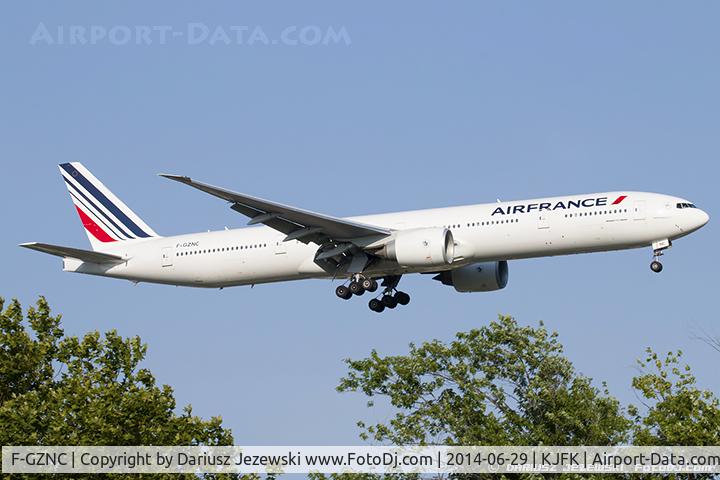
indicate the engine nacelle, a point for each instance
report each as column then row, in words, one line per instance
column 422, row 247
column 478, row 277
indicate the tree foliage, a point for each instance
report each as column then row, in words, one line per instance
column 505, row 384
column 66, row 390
column 676, row 411
column 498, row 385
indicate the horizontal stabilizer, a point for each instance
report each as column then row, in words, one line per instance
column 84, row 255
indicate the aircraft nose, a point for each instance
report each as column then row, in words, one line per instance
column 693, row 219
column 704, row 218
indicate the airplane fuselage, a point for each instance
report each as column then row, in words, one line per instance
column 484, row 232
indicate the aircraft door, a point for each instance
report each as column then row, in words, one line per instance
column 543, row 221
column 638, row 211
column 167, row 256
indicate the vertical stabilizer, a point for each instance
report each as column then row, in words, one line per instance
column 105, row 217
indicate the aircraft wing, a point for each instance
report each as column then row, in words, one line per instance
column 84, row 255
column 297, row 224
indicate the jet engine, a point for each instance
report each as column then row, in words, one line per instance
column 477, row 277
column 422, row 247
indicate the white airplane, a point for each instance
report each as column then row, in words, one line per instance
column 466, row 247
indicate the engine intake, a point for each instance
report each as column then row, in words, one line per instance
column 422, row 247
column 478, row 277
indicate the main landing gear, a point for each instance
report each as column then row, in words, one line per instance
column 358, row 286
column 658, row 248
column 389, row 298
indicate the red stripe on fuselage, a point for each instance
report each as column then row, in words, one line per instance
column 619, row 199
column 93, row 227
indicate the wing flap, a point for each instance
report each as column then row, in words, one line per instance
column 287, row 219
column 84, row 255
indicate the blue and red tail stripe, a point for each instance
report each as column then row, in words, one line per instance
column 105, row 217
column 90, row 206
column 93, row 227
column 100, row 198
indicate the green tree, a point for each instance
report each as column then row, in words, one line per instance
column 676, row 411
column 502, row 384
column 65, row 390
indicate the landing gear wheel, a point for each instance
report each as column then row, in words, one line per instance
column 343, row 292
column 376, row 305
column 389, row 301
column 656, row 266
column 402, row 298
column 356, row 288
column 369, row 284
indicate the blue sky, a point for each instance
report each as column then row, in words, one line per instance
column 424, row 105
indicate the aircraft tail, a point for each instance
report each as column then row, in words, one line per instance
column 105, row 217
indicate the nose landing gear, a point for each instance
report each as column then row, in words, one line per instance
column 658, row 248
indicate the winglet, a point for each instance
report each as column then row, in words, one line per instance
column 177, row 178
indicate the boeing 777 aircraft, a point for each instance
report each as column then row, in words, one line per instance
column 465, row 247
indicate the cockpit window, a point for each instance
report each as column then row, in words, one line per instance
column 685, row 205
